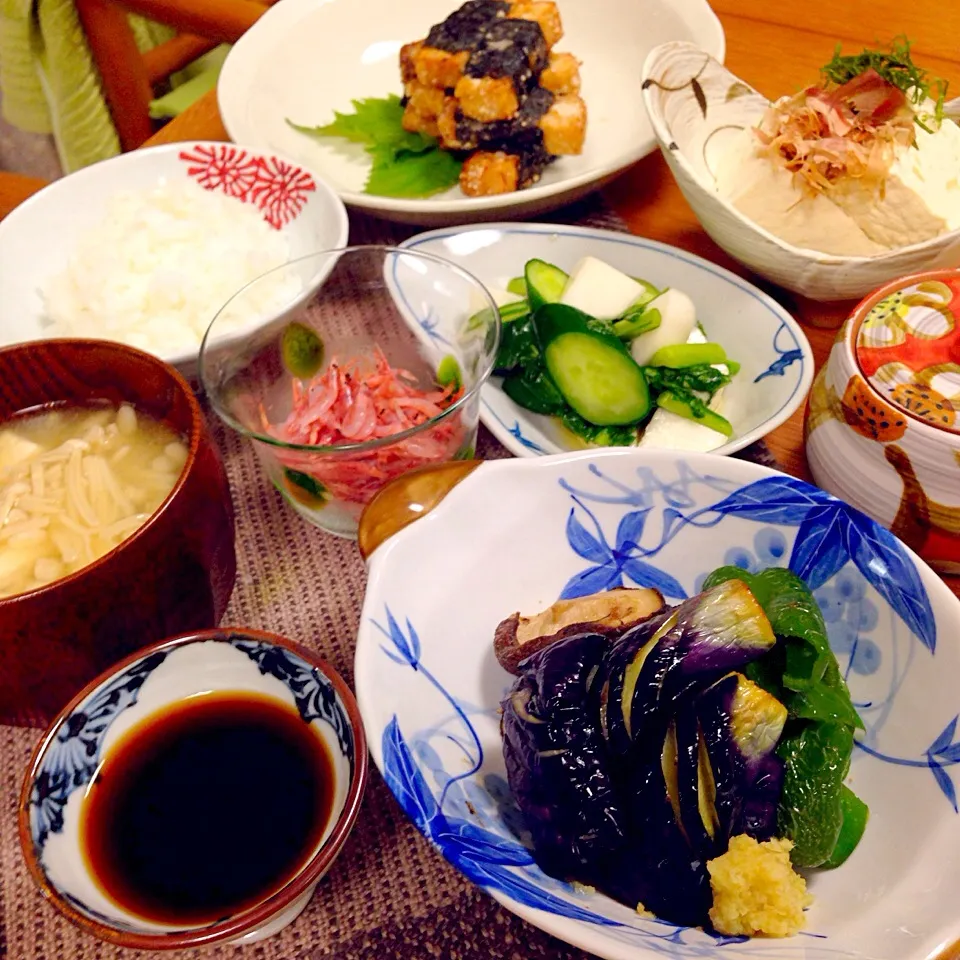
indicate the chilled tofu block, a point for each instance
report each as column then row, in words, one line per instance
column 600, row 290
column 486, row 98
column 545, row 13
column 678, row 320
column 439, row 68
column 562, row 74
column 564, row 126
column 484, row 174
column 408, row 61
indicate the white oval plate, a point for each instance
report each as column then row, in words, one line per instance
column 306, row 58
column 777, row 363
column 515, row 534
column 38, row 238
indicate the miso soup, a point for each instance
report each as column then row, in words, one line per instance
column 74, row 483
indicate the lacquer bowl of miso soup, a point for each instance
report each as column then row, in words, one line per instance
column 196, row 792
column 116, row 526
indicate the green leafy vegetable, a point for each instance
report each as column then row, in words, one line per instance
column 634, row 322
column 413, row 174
column 687, row 383
column 404, row 164
column 611, row 436
column 518, row 346
column 895, row 65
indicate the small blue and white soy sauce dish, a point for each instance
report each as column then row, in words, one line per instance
column 196, row 792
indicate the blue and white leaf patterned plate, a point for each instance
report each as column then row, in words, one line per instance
column 518, row 534
column 777, row 364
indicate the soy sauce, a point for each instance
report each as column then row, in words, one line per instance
column 207, row 808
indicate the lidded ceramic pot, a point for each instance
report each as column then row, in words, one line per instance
column 883, row 424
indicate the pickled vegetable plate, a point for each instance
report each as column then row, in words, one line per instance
column 777, row 363
column 519, row 534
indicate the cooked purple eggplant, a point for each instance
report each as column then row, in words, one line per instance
column 652, row 666
column 555, row 758
column 730, row 777
column 656, row 867
column 635, row 757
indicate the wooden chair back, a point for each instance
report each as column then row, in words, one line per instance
column 129, row 77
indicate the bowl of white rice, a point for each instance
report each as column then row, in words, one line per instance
column 145, row 248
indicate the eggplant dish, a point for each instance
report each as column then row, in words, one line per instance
column 684, row 760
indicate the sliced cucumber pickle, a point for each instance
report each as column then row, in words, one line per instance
column 545, row 282
column 590, row 367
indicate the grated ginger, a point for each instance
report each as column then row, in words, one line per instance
column 756, row 891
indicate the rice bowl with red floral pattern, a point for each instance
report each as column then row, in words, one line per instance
column 145, row 247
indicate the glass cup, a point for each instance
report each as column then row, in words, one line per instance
column 350, row 367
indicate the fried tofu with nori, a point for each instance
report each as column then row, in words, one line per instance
column 408, row 63
column 517, row 135
column 511, row 48
column 487, row 98
column 439, row 68
column 545, row 13
column 562, row 74
column 564, row 126
column 485, row 83
column 487, row 173
column 465, row 28
column 423, row 106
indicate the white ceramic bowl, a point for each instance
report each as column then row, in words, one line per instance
column 755, row 330
column 695, row 106
column 38, row 238
column 883, row 426
column 160, row 676
column 515, row 534
column 306, row 58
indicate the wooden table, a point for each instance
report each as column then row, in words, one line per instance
column 769, row 50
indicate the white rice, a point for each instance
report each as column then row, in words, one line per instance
column 156, row 270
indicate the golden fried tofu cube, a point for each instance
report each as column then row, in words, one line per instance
column 484, row 173
column 439, row 68
column 545, row 13
column 562, row 74
column 423, row 107
column 564, row 126
column 487, row 98
column 408, row 60
column 447, row 125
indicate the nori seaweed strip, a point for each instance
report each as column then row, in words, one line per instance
column 465, row 29
column 510, row 34
column 517, row 134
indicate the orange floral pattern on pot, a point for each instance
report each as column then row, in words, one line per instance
column 869, row 415
column 908, row 349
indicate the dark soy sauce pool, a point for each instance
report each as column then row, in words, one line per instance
column 207, row 807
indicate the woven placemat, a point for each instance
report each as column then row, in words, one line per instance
column 390, row 894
